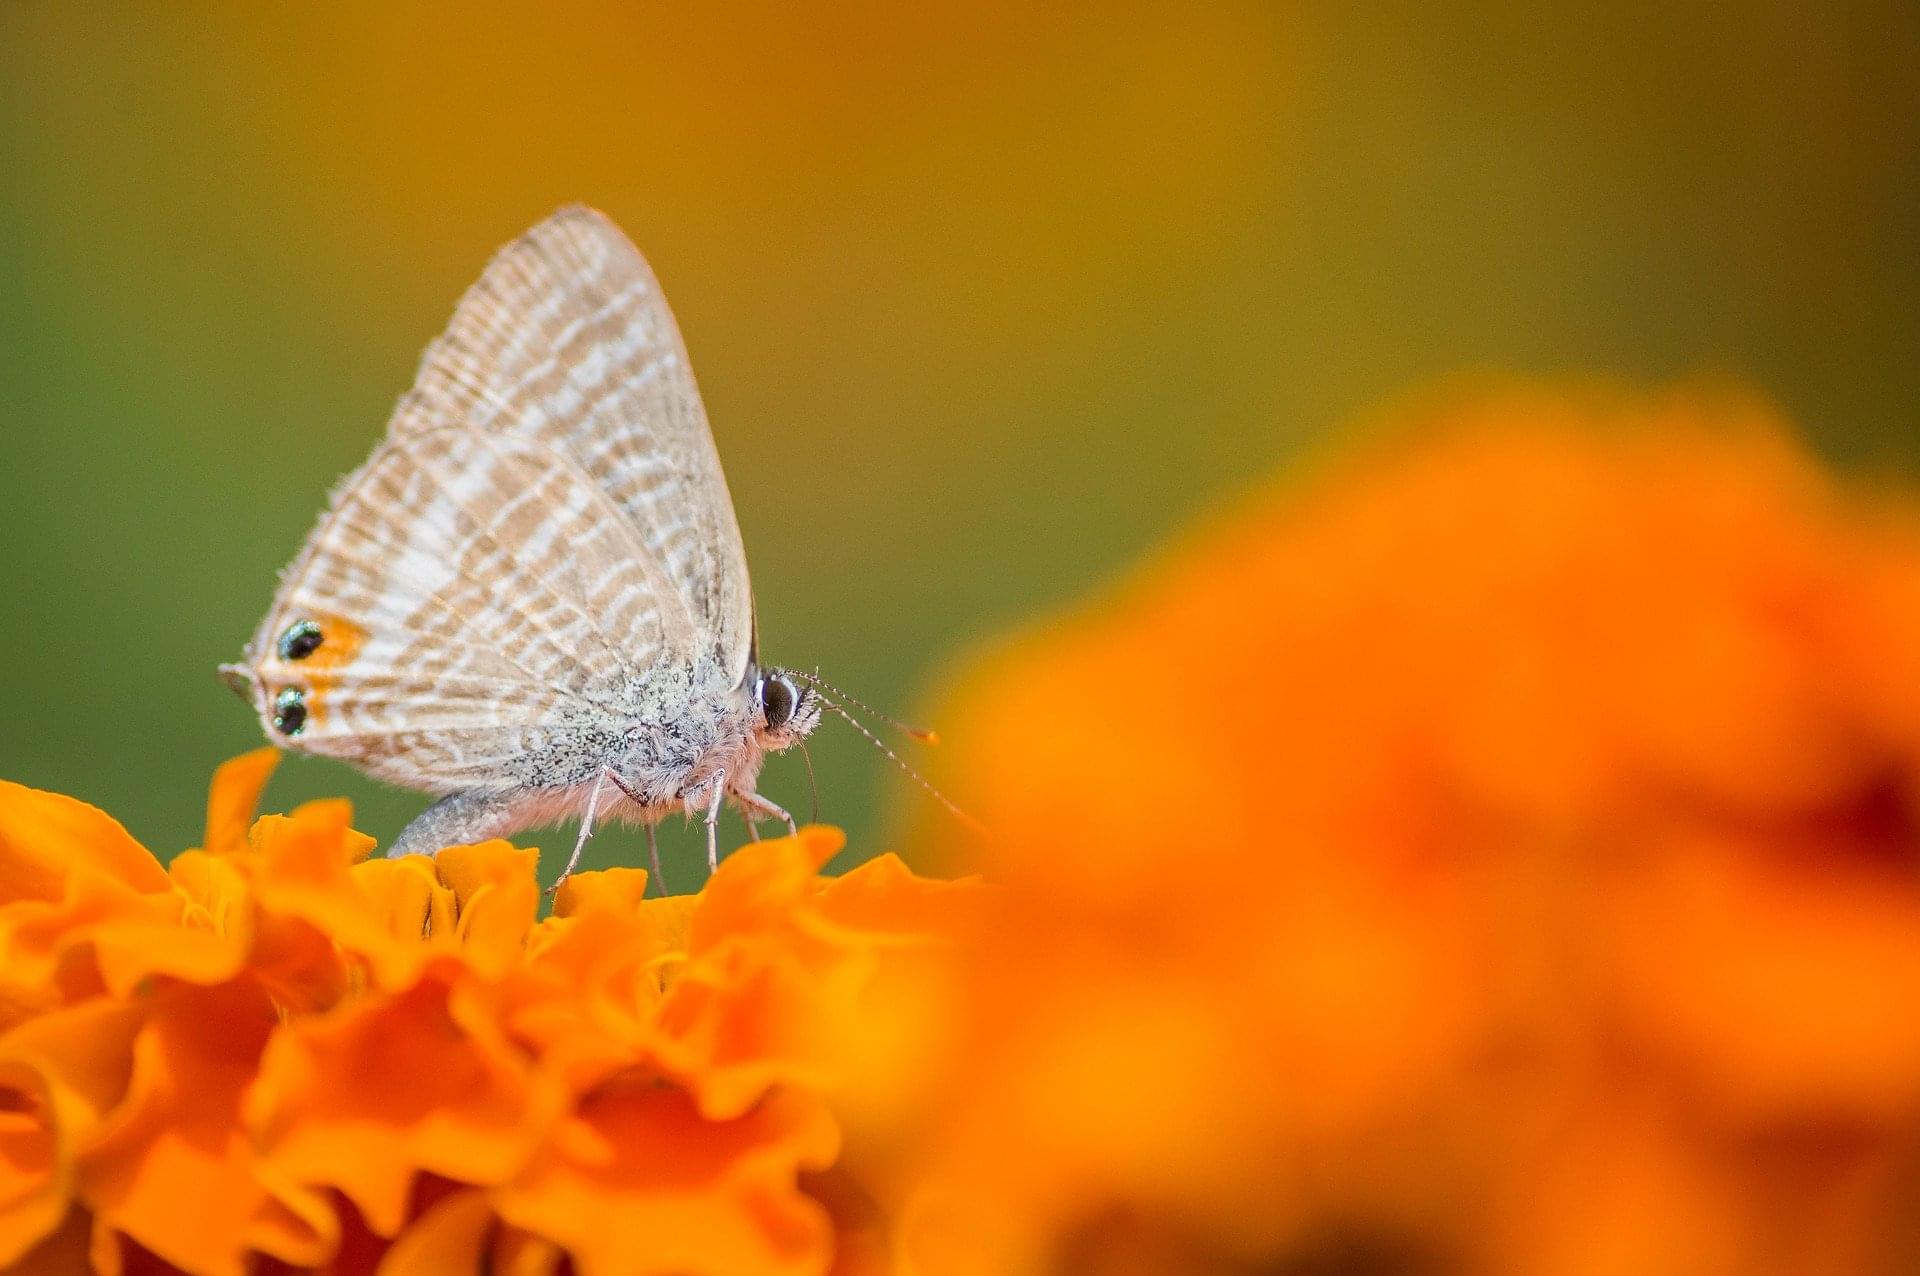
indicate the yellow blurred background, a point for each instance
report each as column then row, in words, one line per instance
column 985, row 299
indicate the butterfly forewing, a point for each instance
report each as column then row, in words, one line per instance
column 566, row 338
column 545, row 524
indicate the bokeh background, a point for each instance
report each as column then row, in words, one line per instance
column 985, row 299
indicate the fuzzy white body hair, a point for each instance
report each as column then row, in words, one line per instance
column 666, row 738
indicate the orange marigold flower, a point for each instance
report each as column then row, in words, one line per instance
column 1497, row 854
column 280, row 1051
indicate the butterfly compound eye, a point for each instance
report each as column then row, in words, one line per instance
column 777, row 698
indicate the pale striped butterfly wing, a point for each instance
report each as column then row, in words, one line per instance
column 545, row 527
column 567, row 340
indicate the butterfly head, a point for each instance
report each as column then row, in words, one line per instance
column 785, row 710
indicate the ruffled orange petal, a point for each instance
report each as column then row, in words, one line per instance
column 780, row 964
column 315, row 845
column 452, row 1235
column 173, row 1169
column 45, row 838
column 59, row 1077
column 233, row 799
column 883, row 899
column 309, row 1035
column 308, row 916
column 103, row 937
column 32, row 1182
column 411, row 915
column 365, row 1098
column 732, row 1028
column 137, row 949
column 496, row 895
column 46, row 946
column 584, row 1000
column 619, row 890
column 392, row 914
column 762, row 887
column 668, row 923
column 691, row 1196
column 216, row 893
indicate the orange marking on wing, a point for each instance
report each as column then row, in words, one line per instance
column 340, row 642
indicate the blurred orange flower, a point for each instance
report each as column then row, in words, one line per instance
column 1498, row 854
column 276, row 1051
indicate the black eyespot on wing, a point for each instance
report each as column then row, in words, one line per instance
column 301, row 640
column 290, row 711
column 776, row 702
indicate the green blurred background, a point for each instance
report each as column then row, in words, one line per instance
column 985, row 300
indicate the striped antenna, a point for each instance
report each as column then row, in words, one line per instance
column 923, row 734
column 921, row 780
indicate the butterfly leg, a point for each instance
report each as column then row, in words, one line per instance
column 586, row 831
column 653, row 843
column 719, row 783
column 653, row 860
column 753, row 825
column 753, row 802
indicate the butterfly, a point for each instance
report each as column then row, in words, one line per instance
column 532, row 600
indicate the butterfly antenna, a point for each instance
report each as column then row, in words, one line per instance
column 912, row 774
column 923, row 734
column 813, row 790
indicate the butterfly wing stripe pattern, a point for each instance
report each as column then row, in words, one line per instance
column 476, row 637
column 545, row 524
column 566, row 339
